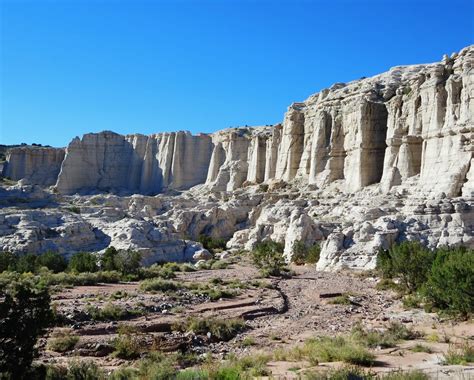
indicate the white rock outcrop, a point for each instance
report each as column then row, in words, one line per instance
column 354, row 168
column 36, row 165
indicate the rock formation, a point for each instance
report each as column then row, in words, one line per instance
column 355, row 167
column 38, row 165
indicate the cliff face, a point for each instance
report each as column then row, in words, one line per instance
column 37, row 165
column 411, row 125
column 138, row 164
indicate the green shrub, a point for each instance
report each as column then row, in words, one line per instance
column 268, row 257
column 158, row 285
column 330, row 349
column 127, row 345
column 302, row 254
column 408, row 261
column 451, row 281
column 74, row 209
column 340, row 300
column 111, row 312
column 460, row 355
column 53, row 261
column 220, row 329
column 383, row 339
column 83, row 262
column 157, row 270
column 345, row 373
column 212, row 244
column 62, row 341
column 24, row 315
column 84, row 370
column 406, row 375
column 157, row 367
column 421, row 348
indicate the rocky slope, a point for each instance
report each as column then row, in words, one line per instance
column 357, row 166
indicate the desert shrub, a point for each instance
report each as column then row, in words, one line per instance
column 157, row 366
column 212, row 244
column 77, row 279
column 111, row 312
column 451, row 281
column 157, row 270
column 84, row 370
column 55, row 372
column 302, row 254
column 83, row 262
column 459, row 355
column 248, row 341
column 158, row 285
column 344, row 373
column 268, row 257
column 74, row 209
column 62, row 341
column 24, row 315
column 406, row 375
column 408, row 261
column 421, row 348
column 340, row 300
column 220, row 329
column 383, row 339
column 220, row 264
column 213, row 293
column 53, row 261
column 329, row 349
column 127, row 345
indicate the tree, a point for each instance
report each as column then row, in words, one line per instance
column 108, row 259
column 24, row 315
column 409, row 261
column 268, row 257
column 83, row 262
column 302, row 254
column 7, row 261
column 26, row 263
column 450, row 284
column 53, row 261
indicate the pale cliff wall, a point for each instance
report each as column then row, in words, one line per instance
column 36, row 165
column 412, row 124
column 108, row 161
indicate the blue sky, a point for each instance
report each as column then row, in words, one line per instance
column 72, row 67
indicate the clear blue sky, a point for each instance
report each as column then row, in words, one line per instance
column 72, row 67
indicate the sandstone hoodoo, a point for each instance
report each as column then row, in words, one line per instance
column 354, row 168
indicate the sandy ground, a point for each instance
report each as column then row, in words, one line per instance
column 283, row 316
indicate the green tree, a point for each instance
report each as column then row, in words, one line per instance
column 268, row 257
column 53, row 261
column 24, row 315
column 128, row 262
column 8, row 261
column 409, row 261
column 450, row 284
column 108, row 259
column 83, row 262
column 302, row 254
column 27, row 263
